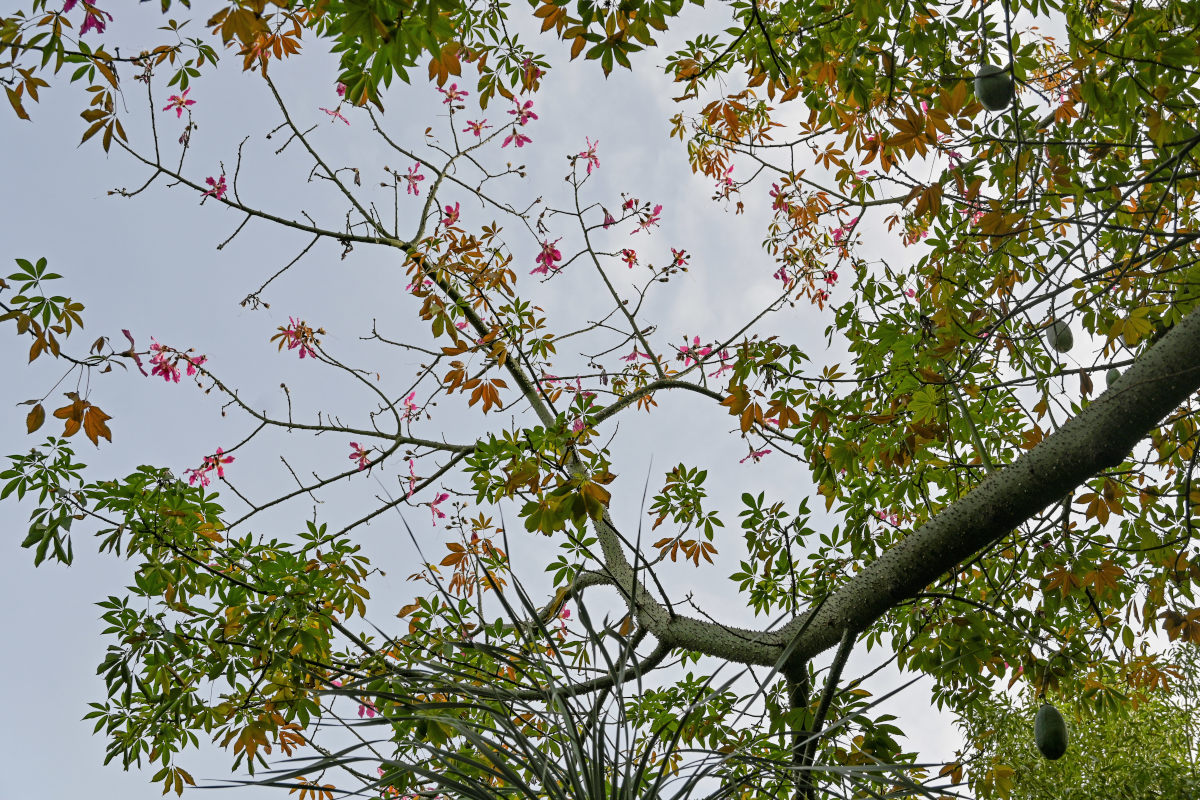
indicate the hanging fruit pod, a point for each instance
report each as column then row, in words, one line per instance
column 1059, row 336
column 1050, row 732
column 994, row 87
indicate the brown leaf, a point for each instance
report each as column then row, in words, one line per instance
column 35, row 419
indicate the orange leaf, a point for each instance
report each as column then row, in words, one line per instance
column 408, row 609
column 95, row 425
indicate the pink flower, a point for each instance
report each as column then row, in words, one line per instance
column 453, row 94
column 217, row 461
column 754, row 454
column 298, row 335
column 782, row 275
column 721, row 369
column 725, row 183
column 629, row 257
column 218, row 187
column 193, row 362
column 608, row 219
column 95, row 19
column 452, row 214
column 179, row 102
column 367, row 708
column 831, row 277
column 519, row 138
column 335, row 113
column 414, row 178
column 679, row 258
column 476, row 127
column 579, row 390
column 910, row 293
column 130, row 352
column 438, row 513
column 590, row 154
column 547, row 259
column 563, row 616
column 163, row 364
column 578, row 425
column 635, row 355
column 197, row 475
column 652, row 218
column 840, row 232
column 778, row 198
column 341, row 89
column 693, row 353
column 410, row 407
column 412, row 479
column 890, row 517
column 359, row 453
column 523, row 112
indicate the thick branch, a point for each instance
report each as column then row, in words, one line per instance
column 1098, row 438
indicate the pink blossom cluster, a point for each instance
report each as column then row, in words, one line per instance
column 890, row 517
column 96, row 20
column 165, row 361
column 649, row 218
column 214, row 462
column 524, row 113
column 694, row 352
column 842, row 231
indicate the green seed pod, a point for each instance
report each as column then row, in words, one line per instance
column 1059, row 336
column 994, row 87
column 1111, row 377
column 1050, row 732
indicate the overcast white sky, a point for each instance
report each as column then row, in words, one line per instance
column 150, row 264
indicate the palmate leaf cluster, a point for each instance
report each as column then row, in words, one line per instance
column 488, row 721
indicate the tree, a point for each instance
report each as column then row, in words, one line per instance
column 1133, row 750
column 988, row 520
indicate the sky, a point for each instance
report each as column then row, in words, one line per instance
column 151, row 264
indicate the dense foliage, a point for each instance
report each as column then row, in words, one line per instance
column 1008, row 453
column 1147, row 749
